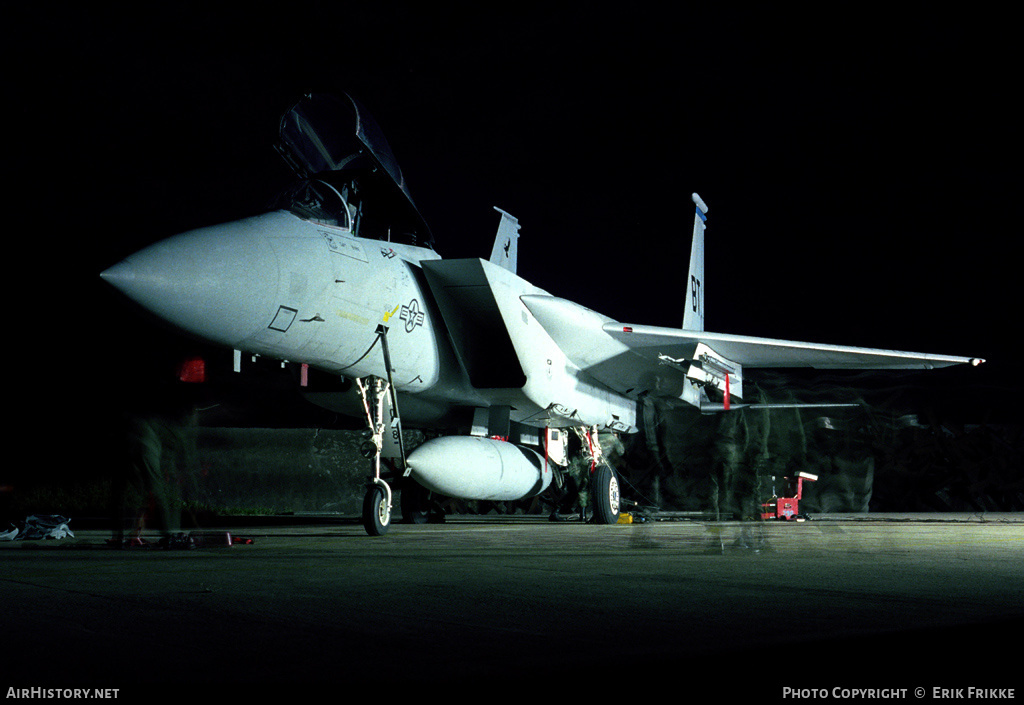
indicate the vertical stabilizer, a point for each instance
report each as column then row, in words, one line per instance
column 506, row 248
column 693, row 315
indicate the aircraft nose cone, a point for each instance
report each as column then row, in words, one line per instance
column 215, row 282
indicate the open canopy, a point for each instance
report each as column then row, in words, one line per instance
column 332, row 137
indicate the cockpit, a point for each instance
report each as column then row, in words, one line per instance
column 349, row 177
column 319, row 202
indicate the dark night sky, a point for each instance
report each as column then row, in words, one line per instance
column 859, row 167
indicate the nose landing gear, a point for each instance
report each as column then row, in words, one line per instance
column 379, row 399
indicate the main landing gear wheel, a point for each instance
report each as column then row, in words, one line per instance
column 414, row 502
column 376, row 511
column 605, row 494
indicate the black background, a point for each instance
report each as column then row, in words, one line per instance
column 860, row 166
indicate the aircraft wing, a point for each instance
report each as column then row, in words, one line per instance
column 650, row 342
column 678, row 363
column 715, row 361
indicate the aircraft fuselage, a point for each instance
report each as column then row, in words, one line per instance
column 460, row 335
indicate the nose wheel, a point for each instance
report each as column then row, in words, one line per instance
column 377, row 501
column 377, row 510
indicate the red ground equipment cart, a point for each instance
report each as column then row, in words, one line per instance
column 787, row 508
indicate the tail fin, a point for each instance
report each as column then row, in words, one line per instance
column 505, row 252
column 693, row 316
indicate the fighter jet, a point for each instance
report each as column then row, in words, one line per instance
column 342, row 277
